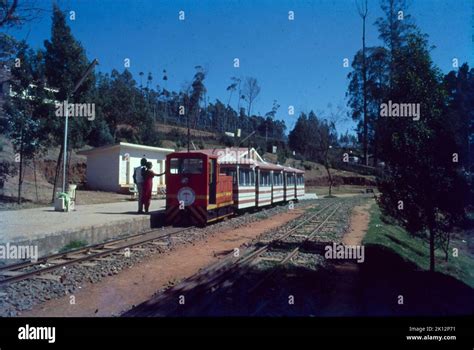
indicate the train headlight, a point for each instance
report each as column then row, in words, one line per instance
column 186, row 196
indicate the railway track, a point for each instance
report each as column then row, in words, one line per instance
column 230, row 269
column 37, row 269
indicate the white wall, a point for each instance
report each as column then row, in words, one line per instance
column 102, row 170
column 107, row 169
column 156, row 157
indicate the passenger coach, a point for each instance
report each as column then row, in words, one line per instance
column 207, row 185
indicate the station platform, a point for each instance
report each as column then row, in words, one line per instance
column 51, row 230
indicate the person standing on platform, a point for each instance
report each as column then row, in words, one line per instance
column 148, row 176
column 138, row 179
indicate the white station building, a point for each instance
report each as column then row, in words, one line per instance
column 110, row 168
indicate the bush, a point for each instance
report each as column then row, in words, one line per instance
column 76, row 244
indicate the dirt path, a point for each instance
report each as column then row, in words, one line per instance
column 115, row 294
column 346, row 299
column 359, row 225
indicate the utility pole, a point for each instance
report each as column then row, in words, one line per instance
column 66, row 115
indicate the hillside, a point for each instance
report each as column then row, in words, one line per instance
column 39, row 189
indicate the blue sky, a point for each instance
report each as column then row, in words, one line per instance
column 296, row 62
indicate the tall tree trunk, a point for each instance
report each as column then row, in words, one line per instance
column 432, row 249
column 36, row 182
column 56, row 175
column 327, row 165
column 238, row 100
column 366, row 127
column 20, row 178
column 432, row 232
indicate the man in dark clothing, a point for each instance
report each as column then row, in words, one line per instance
column 138, row 179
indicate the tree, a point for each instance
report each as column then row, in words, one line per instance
column 197, row 92
column 270, row 119
column 250, row 93
column 300, row 135
column 232, row 88
column 325, row 141
column 422, row 186
column 65, row 63
column 14, row 13
column 460, row 112
column 316, row 138
column 394, row 28
column 25, row 108
column 376, row 87
column 363, row 10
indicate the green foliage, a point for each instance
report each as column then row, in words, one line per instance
column 377, row 71
column 312, row 137
column 421, row 149
column 64, row 64
column 421, row 186
column 100, row 134
column 25, row 110
column 76, row 244
column 226, row 140
column 7, row 169
column 460, row 112
column 414, row 249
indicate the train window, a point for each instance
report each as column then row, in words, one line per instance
column 300, row 179
column 186, row 166
column 277, row 179
column 246, row 177
column 264, row 178
column 290, row 179
column 174, row 165
column 233, row 173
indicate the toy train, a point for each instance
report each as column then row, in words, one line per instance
column 203, row 186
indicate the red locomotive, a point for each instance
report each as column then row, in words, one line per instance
column 206, row 185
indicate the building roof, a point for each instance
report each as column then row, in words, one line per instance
column 125, row 145
column 293, row 170
column 234, row 155
column 231, row 155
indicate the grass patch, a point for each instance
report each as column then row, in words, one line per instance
column 416, row 250
column 73, row 245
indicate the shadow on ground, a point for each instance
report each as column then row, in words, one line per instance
column 373, row 288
